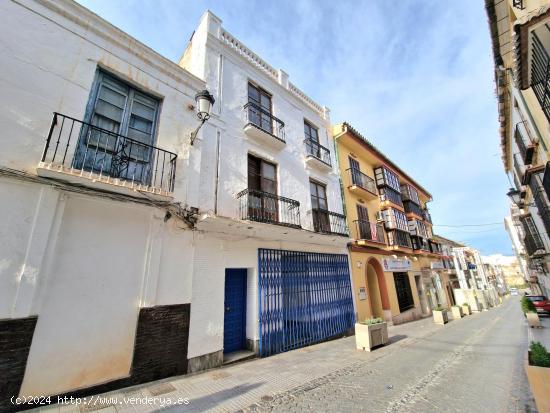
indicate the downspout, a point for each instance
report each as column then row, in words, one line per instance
column 338, row 136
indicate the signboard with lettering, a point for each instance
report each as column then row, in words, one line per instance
column 396, row 264
column 362, row 293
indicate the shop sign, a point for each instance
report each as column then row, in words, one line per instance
column 396, row 264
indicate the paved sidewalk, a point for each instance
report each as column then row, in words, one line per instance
column 334, row 376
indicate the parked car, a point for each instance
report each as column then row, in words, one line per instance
column 541, row 303
column 514, row 291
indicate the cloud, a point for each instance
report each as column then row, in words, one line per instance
column 415, row 77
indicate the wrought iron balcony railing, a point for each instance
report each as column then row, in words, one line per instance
column 435, row 247
column 419, row 243
column 269, row 208
column 398, row 238
column 328, row 222
column 264, row 120
column 541, row 200
column 318, row 151
column 388, row 194
column 79, row 148
column 526, row 148
column 540, row 74
column 518, row 4
column 411, row 207
column 533, row 244
column 360, row 179
column 369, row 231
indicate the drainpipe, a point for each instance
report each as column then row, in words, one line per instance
column 338, row 136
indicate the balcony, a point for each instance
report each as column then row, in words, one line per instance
column 419, row 243
column 426, row 215
column 387, row 194
column 398, row 238
column 409, row 193
column 369, row 232
column 85, row 154
column 412, row 208
column 541, row 199
column 327, row 222
column 269, row 208
column 533, row 244
column 317, row 156
column 361, row 184
column 264, row 128
column 526, row 149
column 435, row 247
column 540, row 72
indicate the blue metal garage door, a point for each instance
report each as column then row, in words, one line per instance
column 304, row 298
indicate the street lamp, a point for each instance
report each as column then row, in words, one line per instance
column 205, row 101
column 515, row 196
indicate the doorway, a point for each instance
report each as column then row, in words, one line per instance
column 234, row 320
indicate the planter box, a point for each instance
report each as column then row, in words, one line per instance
column 466, row 310
column 368, row 336
column 533, row 319
column 457, row 312
column 539, row 380
column 440, row 317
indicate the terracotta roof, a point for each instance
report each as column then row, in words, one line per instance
column 443, row 240
column 381, row 155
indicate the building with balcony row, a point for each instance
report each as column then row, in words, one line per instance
column 521, row 51
column 392, row 245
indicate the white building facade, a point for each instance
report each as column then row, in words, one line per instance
column 131, row 255
column 274, row 219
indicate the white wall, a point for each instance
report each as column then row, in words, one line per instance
column 84, row 264
column 227, row 74
column 213, row 255
column 48, row 63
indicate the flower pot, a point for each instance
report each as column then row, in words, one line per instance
column 466, row 310
column 533, row 319
column 539, row 380
column 368, row 336
column 457, row 312
column 440, row 317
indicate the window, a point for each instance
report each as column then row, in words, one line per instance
column 321, row 221
column 262, row 186
column 311, row 132
column 397, row 218
column 386, row 177
column 403, row 290
column 131, row 116
column 259, row 111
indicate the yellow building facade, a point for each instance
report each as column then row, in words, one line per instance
column 392, row 251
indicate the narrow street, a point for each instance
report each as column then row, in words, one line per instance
column 469, row 365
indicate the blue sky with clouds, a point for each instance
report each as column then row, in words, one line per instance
column 415, row 77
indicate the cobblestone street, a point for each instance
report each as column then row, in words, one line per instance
column 469, row 365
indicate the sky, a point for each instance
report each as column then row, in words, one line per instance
column 414, row 77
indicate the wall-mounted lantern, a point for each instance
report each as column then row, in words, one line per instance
column 205, row 101
column 515, row 196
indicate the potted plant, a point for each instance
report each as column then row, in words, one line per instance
column 371, row 333
column 530, row 312
column 538, row 375
column 440, row 315
column 466, row 309
column 457, row 312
